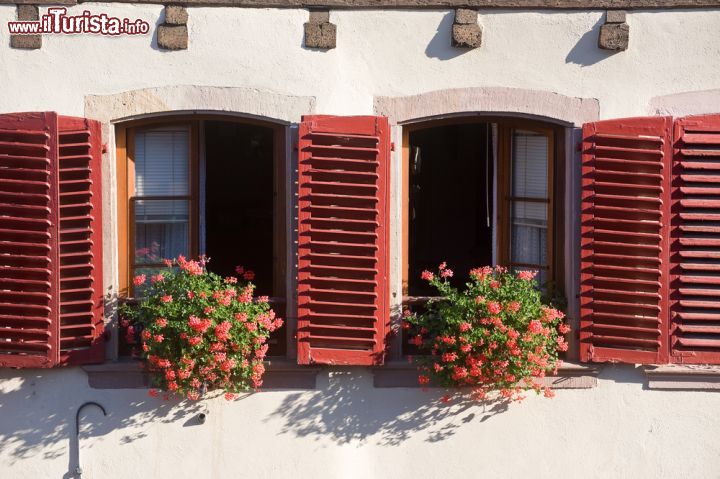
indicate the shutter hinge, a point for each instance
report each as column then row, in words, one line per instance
column 392, row 146
column 104, row 147
column 578, row 147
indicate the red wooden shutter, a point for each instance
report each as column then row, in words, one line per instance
column 28, row 200
column 625, row 239
column 80, row 241
column 42, row 322
column 343, row 309
column 695, row 273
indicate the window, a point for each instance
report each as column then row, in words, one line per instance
column 525, row 193
column 204, row 185
column 477, row 193
column 164, row 197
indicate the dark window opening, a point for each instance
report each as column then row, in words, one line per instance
column 451, row 201
column 239, row 200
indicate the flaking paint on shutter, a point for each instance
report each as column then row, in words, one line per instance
column 51, row 308
column 343, row 174
column 695, row 273
column 625, row 240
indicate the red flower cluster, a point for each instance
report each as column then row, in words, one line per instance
column 202, row 332
column 496, row 335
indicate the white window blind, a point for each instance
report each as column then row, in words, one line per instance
column 162, row 162
column 529, row 164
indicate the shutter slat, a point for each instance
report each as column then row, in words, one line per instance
column 625, row 179
column 627, row 175
column 600, row 147
column 690, row 304
column 694, row 328
column 701, row 153
column 625, row 209
column 699, row 254
column 700, row 229
column 619, row 305
column 342, row 317
column 635, row 198
column 340, row 339
column 632, row 186
column 700, row 280
column 695, row 273
column 700, row 179
column 342, row 292
column 22, row 306
column 343, row 310
column 699, row 267
column 700, row 203
column 598, row 327
column 623, row 317
column 16, row 145
column 701, row 138
column 694, row 165
column 337, row 149
column 698, row 344
column 338, row 279
column 341, row 303
column 339, row 196
column 337, row 269
column 347, row 184
column 600, row 279
column 625, row 340
column 621, row 258
column 683, row 315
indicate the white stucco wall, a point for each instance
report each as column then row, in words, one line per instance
column 347, row 428
column 383, row 53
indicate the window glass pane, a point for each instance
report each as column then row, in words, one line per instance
column 529, row 164
column 528, row 233
column 162, row 230
column 162, row 162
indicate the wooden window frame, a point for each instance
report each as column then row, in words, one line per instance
column 125, row 134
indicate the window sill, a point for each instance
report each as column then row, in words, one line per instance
column 404, row 375
column 683, row 377
column 128, row 374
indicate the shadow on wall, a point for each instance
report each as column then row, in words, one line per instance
column 153, row 38
column 440, row 46
column 35, row 419
column 586, row 51
column 349, row 409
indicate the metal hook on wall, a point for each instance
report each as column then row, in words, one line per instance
column 78, row 469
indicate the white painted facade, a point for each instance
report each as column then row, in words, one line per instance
column 251, row 62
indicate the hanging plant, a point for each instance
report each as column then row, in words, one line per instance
column 495, row 335
column 198, row 331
